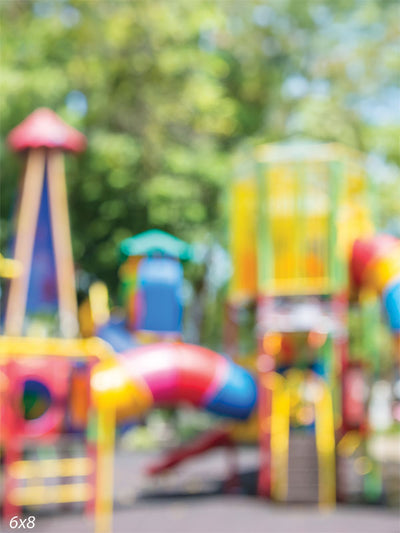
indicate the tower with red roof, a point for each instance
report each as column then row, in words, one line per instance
column 42, row 243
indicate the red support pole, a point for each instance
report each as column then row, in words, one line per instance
column 12, row 442
column 340, row 346
column 265, row 365
column 91, row 443
column 264, row 409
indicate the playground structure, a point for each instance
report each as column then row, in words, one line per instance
column 151, row 286
column 295, row 224
column 42, row 239
column 49, row 389
column 45, row 382
column 304, row 258
column 46, row 400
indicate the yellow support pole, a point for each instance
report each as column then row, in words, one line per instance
column 106, row 421
column 280, row 428
column 98, row 300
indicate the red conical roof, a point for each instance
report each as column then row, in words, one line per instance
column 45, row 128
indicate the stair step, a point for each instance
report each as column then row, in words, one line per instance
column 302, row 468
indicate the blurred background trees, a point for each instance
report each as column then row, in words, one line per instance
column 166, row 90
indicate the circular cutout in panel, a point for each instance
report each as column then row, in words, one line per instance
column 36, row 399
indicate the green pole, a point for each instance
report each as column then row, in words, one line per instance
column 264, row 240
column 336, row 265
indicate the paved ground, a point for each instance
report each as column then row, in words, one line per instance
column 184, row 503
column 231, row 515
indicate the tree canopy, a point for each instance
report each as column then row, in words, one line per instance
column 165, row 91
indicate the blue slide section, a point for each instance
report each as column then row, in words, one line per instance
column 391, row 301
column 236, row 397
column 116, row 334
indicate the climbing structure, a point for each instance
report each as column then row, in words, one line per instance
column 296, row 211
column 42, row 244
column 151, row 282
column 45, row 382
column 151, row 293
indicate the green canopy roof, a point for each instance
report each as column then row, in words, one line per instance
column 156, row 241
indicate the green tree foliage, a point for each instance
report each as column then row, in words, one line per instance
column 166, row 90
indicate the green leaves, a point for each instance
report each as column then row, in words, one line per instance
column 172, row 88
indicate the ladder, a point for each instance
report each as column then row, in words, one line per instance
column 295, row 466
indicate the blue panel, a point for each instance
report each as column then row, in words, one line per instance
column 42, row 291
column 117, row 336
column 160, row 295
column 391, row 301
column 319, row 367
column 237, row 396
